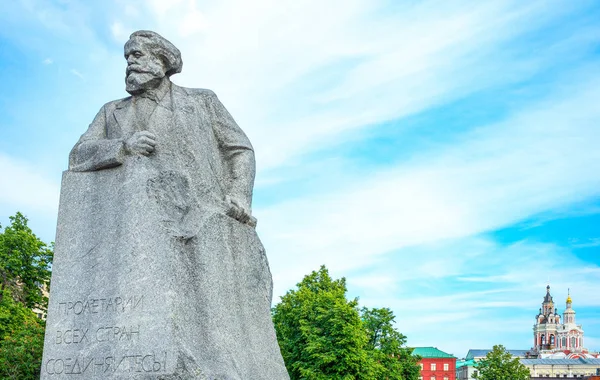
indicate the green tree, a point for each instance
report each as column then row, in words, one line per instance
column 320, row 332
column 21, row 340
column 392, row 360
column 25, row 263
column 500, row 365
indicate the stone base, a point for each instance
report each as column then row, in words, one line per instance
column 149, row 283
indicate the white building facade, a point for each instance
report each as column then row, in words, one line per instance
column 569, row 368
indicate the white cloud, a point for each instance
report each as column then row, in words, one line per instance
column 592, row 343
column 119, row 32
column 593, row 242
column 161, row 8
column 375, row 282
column 47, row 61
column 193, row 21
column 538, row 160
column 26, row 188
column 295, row 80
column 52, row 18
column 131, row 11
column 77, row 74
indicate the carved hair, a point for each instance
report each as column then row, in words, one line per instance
column 170, row 55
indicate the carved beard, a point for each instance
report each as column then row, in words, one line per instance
column 138, row 82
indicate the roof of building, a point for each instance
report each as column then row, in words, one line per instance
column 580, row 361
column 430, row 352
column 468, row 363
column 477, row 353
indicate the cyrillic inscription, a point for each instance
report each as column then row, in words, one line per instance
column 71, row 336
column 115, row 333
column 106, row 365
column 102, row 334
column 102, row 305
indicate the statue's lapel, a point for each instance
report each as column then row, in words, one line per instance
column 180, row 102
column 124, row 115
column 183, row 107
column 161, row 119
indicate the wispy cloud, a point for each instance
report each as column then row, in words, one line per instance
column 589, row 243
column 28, row 190
column 366, row 68
column 118, row 31
column 77, row 74
column 47, row 61
column 542, row 157
column 26, row 186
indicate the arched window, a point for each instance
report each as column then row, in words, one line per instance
column 572, row 341
column 543, row 339
column 564, row 342
column 552, row 339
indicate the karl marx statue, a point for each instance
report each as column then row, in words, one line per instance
column 129, row 127
column 156, row 242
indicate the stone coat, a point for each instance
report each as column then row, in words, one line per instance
column 193, row 121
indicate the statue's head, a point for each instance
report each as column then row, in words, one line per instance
column 150, row 57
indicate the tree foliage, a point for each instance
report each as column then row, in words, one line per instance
column 21, row 340
column 24, row 263
column 323, row 335
column 386, row 346
column 24, row 269
column 500, row 365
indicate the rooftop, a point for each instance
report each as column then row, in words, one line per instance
column 580, row 361
column 468, row 363
column 478, row 353
column 430, row 352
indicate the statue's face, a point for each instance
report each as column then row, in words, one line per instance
column 145, row 69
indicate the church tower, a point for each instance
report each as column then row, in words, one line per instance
column 570, row 334
column 546, row 327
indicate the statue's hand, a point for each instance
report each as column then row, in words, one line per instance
column 238, row 212
column 141, row 142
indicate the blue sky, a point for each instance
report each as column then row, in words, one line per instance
column 441, row 155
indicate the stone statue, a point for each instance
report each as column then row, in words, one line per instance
column 158, row 271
